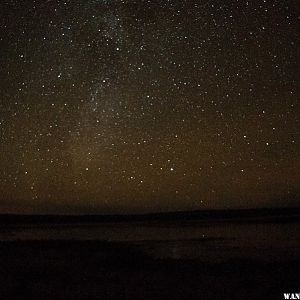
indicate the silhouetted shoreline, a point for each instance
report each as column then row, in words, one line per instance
column 240, row 215
column 232, row 254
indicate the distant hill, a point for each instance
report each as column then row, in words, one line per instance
column 248, row 215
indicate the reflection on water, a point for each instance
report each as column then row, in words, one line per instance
column 193, row 240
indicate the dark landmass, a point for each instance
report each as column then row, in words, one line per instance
column 101, row 270
column 107, row 269
column 240, row 215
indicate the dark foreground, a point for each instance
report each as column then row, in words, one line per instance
column 112, row 270
column 250, row 254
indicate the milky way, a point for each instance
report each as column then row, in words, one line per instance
column 131, row 106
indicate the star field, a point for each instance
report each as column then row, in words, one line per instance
column 125, row 106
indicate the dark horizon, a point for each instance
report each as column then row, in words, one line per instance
column 288, row 203
column 202, row 213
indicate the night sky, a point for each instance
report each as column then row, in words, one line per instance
column 138, row 106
